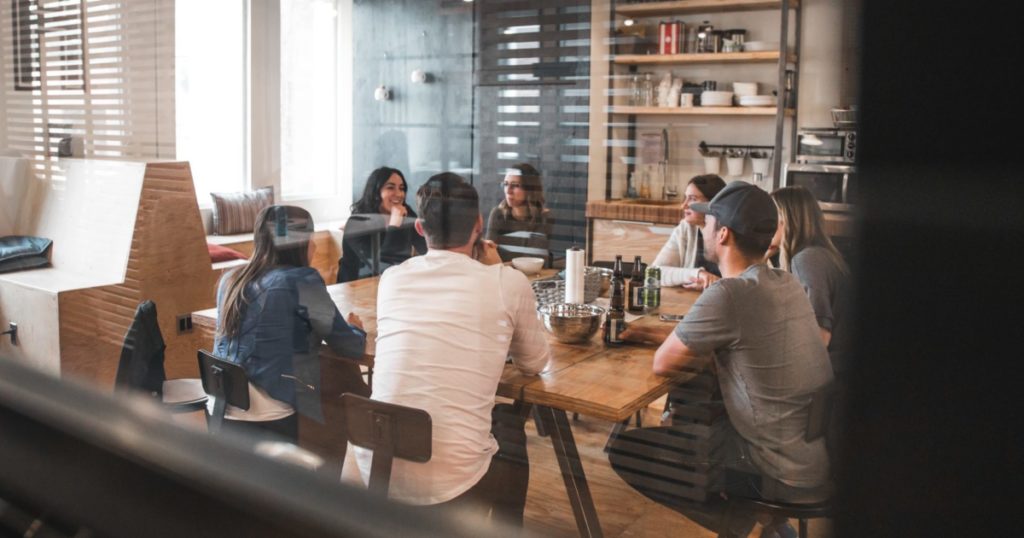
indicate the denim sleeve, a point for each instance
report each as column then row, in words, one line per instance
column 326, row 321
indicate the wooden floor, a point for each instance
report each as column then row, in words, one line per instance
column 621, row 510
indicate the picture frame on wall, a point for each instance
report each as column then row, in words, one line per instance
column 25, row 32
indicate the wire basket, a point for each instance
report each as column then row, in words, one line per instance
column 552, row 290
column 844, row 117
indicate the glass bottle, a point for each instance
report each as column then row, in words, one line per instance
column 636, row 96
column 615, row 322
column 636, row 287
column 647, row 91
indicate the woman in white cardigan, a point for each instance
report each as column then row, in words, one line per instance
column 681, row 259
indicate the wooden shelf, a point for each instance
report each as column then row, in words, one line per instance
column 679, row 7
column 700, row 58
column 698, row 111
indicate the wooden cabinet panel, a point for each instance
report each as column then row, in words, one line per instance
column 611, row 237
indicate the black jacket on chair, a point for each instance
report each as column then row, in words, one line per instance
column 142, row 356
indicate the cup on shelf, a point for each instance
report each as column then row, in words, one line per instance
column 712, row 164
column 735, row 165
column 760, row 165
column 686, row 100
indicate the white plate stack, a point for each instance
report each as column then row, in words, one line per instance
column 760, row 46
column 757, row 100
column 714, row 98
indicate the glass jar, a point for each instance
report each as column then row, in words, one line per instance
column 636, row 97
column 647, row 91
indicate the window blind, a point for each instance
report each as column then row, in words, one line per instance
column 533, row 101
column 98, row 73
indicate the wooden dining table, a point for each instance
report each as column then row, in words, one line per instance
column 609, row 382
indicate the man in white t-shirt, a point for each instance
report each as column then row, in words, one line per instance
column 446, row 322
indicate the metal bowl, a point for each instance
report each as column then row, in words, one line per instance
column 571, row 323
column 605, row 278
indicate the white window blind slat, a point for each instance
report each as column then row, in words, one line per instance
column 98, row 70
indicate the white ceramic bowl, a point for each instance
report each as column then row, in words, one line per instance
column 760, row 46
column 757, row 100
column 715, row 95
column 714, row 98
column 744, row 88
column 528, row 265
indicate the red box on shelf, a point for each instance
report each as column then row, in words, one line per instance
column 669, row 36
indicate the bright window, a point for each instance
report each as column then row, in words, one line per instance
column 210, row 95
column 309, row 98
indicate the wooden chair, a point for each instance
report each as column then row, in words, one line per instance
column 390, row 431
column 141, row 367
column 819, row 422
column 225, row 381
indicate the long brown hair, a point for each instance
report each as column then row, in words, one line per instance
column 804, row 226
column 269, row 251
column 529, row 177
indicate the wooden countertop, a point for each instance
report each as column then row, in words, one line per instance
column 655, row 211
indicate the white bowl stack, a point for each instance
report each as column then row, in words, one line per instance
column 760, row 46
column 756, row 100
column 715, row 98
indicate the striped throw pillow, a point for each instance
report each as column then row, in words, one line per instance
column 235, row 212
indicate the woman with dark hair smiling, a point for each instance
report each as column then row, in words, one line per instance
column 522, row 212
column 380, row 216
column 682, row 260
column 272, row 315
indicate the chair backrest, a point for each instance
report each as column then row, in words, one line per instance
column 390, row 430
column 141, row 366
column 224, row 380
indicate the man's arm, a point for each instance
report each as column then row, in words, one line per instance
column 529, row 348
column 674, row 356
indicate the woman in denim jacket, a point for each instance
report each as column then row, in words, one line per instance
column 272, row 315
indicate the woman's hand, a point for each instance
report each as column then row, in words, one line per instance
column 703, row 279
column 398, row 212
column 354, row 321
column 486, row 252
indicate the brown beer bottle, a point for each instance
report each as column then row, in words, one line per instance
column 636, row 287
column 615, row 323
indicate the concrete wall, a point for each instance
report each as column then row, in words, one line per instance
column 423, row 128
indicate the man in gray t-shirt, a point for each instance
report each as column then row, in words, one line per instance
column 761, row 330
column 757, row 327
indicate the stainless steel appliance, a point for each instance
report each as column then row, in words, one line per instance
column 826, row 145
column 833, row 185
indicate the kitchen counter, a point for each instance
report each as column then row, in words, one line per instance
column 653, row 211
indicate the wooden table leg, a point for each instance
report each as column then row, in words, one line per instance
column 557, row 425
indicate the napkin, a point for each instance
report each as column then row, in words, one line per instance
column 575, row 263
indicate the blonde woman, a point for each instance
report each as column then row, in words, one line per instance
column 806, row 251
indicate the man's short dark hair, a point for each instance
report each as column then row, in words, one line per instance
column 448, row 208
column 751, row 246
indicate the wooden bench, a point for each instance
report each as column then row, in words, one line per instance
column 327, row 236
column 122, row 232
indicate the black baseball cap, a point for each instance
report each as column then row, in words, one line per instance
column 744, row 208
